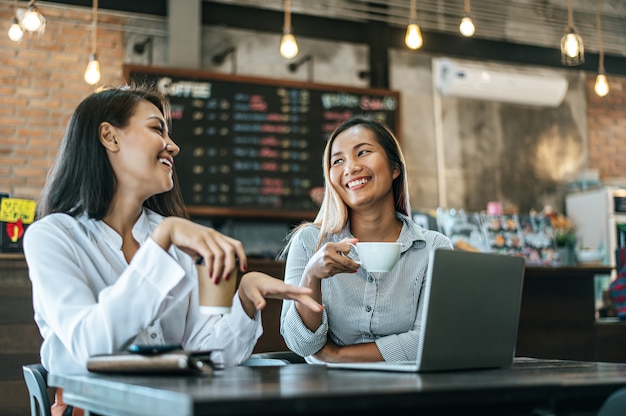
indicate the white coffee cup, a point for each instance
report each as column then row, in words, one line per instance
column 377, row 256
column 215, row 299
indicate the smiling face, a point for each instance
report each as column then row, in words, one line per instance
column 141, row 153
column 359, row 169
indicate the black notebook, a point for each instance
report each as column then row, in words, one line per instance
column 178, row 362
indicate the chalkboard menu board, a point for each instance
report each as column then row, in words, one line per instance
column 253, row 147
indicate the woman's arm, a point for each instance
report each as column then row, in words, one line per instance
column 91, row 300
column 298, row 337
column 328, row 261
column 303, row 329
column 333, row 353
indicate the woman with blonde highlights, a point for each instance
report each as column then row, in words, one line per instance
column 367, row 316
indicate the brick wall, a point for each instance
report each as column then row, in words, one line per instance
column 41, row 82
column 606, row 120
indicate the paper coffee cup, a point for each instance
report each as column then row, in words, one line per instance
column 215, row 299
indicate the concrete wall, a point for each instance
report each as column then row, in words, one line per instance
column 520, row 155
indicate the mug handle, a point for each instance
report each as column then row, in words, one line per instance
column 359, row 262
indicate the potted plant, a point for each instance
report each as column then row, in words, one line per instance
column 565, row 238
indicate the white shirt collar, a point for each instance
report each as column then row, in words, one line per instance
column 141, row 229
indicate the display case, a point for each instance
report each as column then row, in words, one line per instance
column 599, row 216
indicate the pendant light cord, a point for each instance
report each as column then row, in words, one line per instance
column 287, row 25
column 599, row 25
column 94, row 29
column 570, row 14
column 467, row 7
column 413, row 11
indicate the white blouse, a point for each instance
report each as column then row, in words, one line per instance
column 88, row 300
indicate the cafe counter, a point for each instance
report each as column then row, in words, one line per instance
column 557, row 318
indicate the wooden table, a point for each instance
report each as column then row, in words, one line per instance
column 530, row 386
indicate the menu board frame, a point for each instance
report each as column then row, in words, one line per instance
column 135, row 72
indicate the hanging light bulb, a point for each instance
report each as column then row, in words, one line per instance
column 288, row 44
column 572, row 45
column 413, row 37
column 467, row 27
column 92, row 73
column 601, row 86
column 33, row 20
column 572, row 48
column 15, row 31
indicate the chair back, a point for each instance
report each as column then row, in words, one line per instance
column 36, row 378
column 615, row 404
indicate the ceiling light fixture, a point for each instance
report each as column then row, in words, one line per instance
column 601, row 86
column 33, row 20
column 144, row 47
column 363, row 74
column 218, row 59
column 293, row 66
column 15, row 30
column 413, row 38
column 288, row 44
column 92, row 73
column 572, row 48
column 467, row 27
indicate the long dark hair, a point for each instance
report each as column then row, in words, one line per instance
column 82, row 179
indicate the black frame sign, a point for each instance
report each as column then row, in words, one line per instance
column 253, row 147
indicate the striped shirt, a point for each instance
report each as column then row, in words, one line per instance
column 363, row 307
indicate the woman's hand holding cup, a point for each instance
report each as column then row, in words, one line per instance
column 329, row 260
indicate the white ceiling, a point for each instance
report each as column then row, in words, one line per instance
column 530, row 22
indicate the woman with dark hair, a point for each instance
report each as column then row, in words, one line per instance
column 111, row 256
column 367, row 316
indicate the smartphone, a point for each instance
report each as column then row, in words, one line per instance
column 153, row 349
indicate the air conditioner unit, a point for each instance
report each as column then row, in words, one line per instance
column 499, row 83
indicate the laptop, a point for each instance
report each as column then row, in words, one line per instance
column 471, row 310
